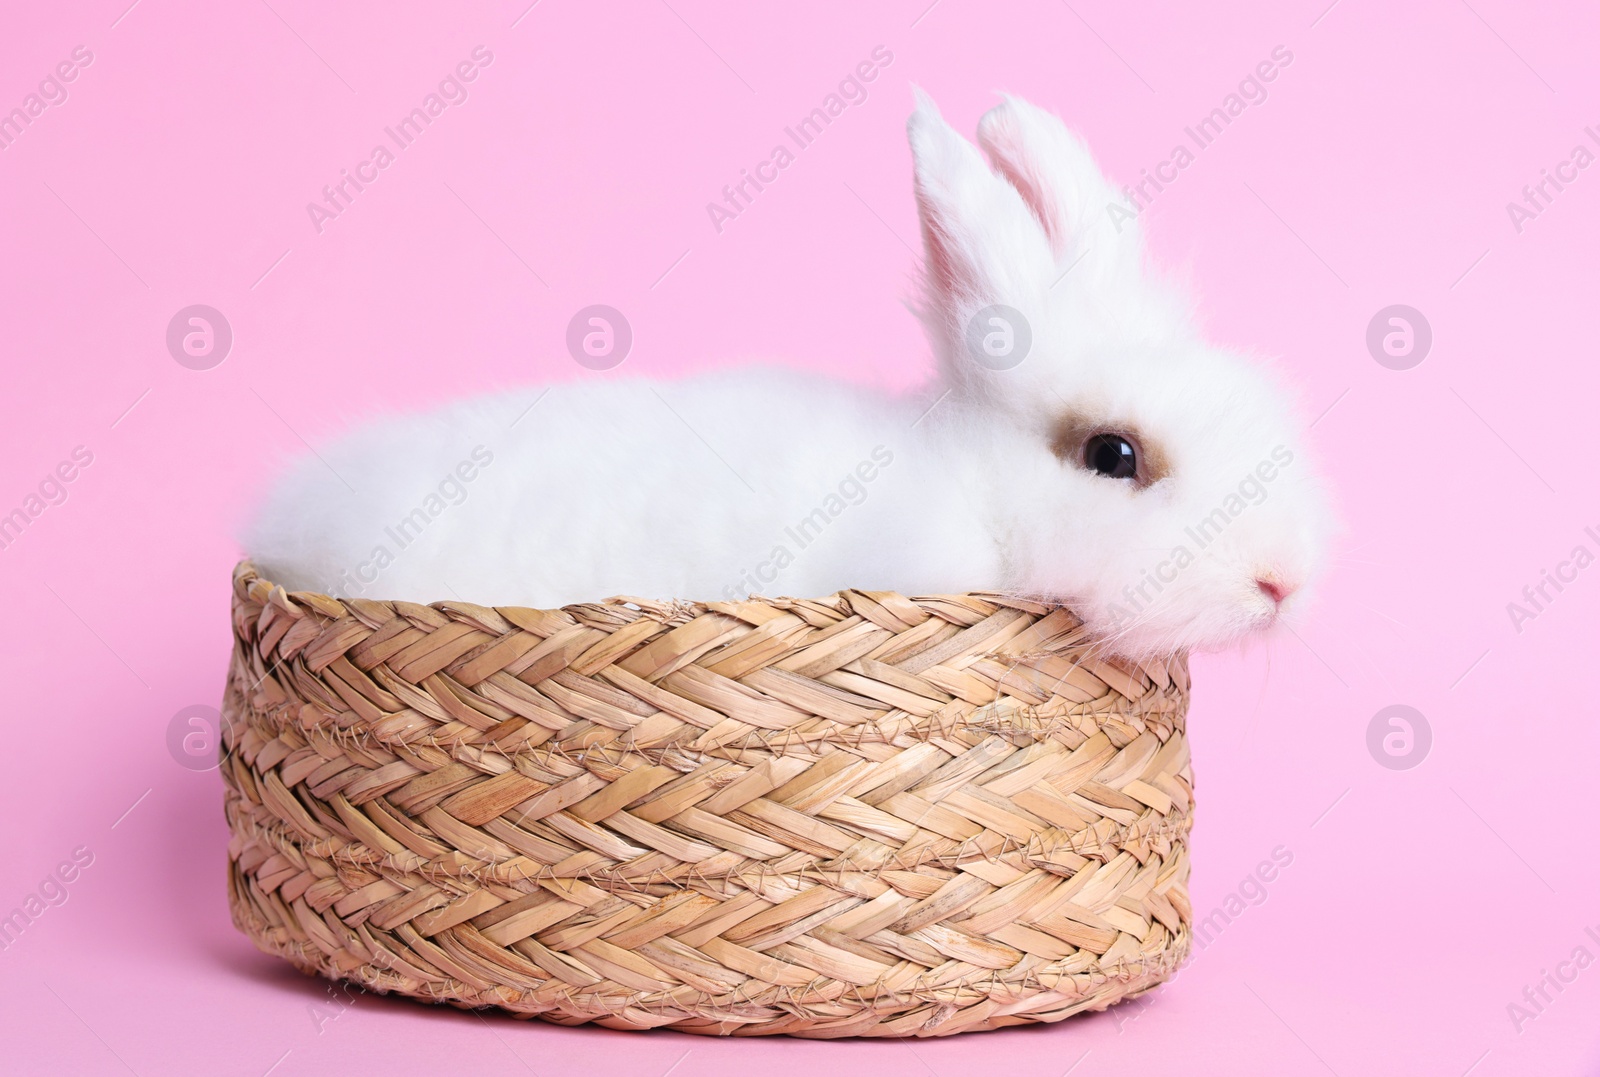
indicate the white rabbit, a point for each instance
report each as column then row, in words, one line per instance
column 1080, row 442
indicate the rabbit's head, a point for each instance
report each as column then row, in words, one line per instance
column 1152, row 480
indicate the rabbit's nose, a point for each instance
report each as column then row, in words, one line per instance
column 1274, row 588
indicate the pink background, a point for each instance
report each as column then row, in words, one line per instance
column 1419, row 904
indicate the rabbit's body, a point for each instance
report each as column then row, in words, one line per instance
column 1081, row 442
column 750, row 480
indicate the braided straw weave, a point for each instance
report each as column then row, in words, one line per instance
column 864, row 815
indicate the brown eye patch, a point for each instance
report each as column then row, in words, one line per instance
column 1112, row 449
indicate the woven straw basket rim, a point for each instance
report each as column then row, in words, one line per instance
column 860, row 815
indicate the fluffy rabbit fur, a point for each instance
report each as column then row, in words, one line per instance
column 763, row 480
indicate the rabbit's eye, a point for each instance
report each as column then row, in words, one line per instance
column 1111, row 455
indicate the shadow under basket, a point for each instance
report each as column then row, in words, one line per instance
column 863, row 815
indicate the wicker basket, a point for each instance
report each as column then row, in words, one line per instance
column 864, row 815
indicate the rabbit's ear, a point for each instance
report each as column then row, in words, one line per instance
column 984, row 245
column 1057, row 177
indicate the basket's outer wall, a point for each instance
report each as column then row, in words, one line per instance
column 865, row 815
